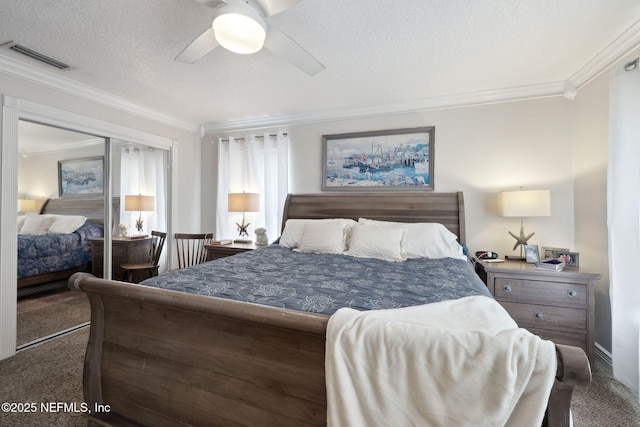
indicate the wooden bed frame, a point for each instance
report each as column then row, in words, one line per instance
column 164, row 358
column 93, row 209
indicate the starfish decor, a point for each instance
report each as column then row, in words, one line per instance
column 242, row 228
column 521, row 240
column 139, row 225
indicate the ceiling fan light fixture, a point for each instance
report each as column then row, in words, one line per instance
column 239, row 29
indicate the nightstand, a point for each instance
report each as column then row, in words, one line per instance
column 556, row 305
column 123, row 251
column 221, row 251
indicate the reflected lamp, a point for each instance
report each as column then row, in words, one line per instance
column 243, row 202
column 25, row 205
column 141, row 204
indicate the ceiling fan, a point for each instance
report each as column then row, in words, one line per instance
column 239, row 26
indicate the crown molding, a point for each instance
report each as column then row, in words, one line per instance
column 621, row 46
column 604, row 60
column 427, row 104
column 24, row 71
column 46, row 149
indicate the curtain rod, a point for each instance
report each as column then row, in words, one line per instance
column 257, row 137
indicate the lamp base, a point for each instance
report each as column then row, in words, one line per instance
column 514, row 258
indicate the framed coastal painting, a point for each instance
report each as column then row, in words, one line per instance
column 388, row 160
column 81, row 177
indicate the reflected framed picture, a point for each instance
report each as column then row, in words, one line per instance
column 81, row 177
column 388, row 160
column 531, row 253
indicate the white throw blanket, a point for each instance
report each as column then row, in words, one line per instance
column 453, row 363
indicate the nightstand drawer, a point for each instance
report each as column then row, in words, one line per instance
column 547, row 317
column 222, row 251
column 556, row 293
column 576, row 339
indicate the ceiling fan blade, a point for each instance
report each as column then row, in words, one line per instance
column 271, row 7
column 204, row 44
column 280, row 44
column 212, row 3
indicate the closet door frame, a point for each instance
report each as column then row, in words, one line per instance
column 14, row 110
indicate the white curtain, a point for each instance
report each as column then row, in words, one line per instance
column 623, row 212
column 252, row 164
column 143, row 172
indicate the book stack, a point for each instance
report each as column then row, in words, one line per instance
column 551, row 264
column 220, row 242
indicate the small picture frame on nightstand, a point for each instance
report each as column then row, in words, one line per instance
column 572, row 259
column 549, row 253
column 531, row 253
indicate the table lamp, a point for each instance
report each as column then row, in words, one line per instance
column 523, row 203
column 139, row 203
column 243, row 202
column 25, row 205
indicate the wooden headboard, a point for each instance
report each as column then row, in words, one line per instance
column 445, row 208
column 93, row 209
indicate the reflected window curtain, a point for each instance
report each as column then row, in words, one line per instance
column 143, row 172
column 623, row 214
column 253, row 164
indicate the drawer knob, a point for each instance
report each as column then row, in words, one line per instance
column 507, row 288
column 572, row 294
column 539, row 315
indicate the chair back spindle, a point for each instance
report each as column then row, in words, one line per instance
column 151, row 267
column 190, row 248
column 157, row 243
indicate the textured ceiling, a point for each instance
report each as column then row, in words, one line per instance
column 376, row 52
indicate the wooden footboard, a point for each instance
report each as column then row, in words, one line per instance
column 164, row 358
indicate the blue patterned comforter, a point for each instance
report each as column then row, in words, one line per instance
column 279, row 277
column 48, row 253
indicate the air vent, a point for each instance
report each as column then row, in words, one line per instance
column 38, row 56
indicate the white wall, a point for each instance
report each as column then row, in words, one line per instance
column 550, row 143
column 478, row 150
column 591, row 135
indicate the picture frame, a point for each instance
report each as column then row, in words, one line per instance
column 387, row 160
column 81, row 177
column 548, row 252
column 531, row 253
column 571, row 259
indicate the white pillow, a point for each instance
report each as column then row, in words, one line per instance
column 21, row 220
column 37, row 224
column 425, row 239
column 371, row 241
column 65, row 224
column 292, row 233
column 325, row 236
column 294, row 229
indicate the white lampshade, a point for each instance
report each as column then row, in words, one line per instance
column 244, row 202
column 524, row 203
column 239, row 28
column 139, row 203
column 25, row 205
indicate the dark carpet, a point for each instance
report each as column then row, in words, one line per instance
column 48, row 374
column 47, row 315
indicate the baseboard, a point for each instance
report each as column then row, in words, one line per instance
column 604, row 356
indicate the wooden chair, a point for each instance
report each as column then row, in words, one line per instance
column 151, row 267
column 190, row 248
